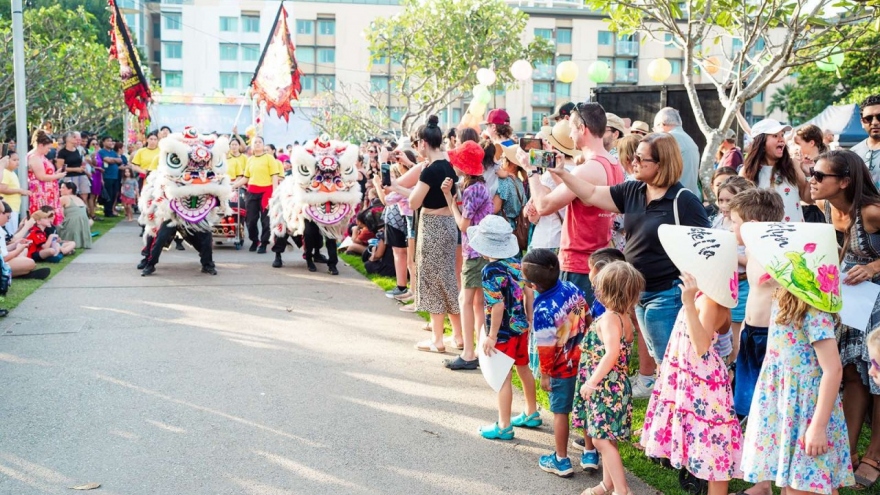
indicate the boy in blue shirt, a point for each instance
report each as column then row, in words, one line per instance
column 561, row 318
column 112, row 161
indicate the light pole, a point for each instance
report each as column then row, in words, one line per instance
column 21, row 135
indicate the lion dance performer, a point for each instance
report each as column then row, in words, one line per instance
column 316, row 201
column 187, row 194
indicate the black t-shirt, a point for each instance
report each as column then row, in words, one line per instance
column 71, row 159
column 433, row 175
column 641, row 223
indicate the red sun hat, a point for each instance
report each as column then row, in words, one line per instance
column 468, row 158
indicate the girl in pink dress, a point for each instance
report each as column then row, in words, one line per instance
column 42, row 179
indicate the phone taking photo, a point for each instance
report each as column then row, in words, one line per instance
column 528, row 144
column 386, row 175
column 542, row 160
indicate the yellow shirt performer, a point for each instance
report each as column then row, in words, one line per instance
column 262, row 173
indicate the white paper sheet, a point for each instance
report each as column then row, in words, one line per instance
column 495, row 368
column 858, row 302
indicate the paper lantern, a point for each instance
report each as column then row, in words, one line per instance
column 830, row 63
column 521, row 70
column 482, row 94
column 486, row 77
column 659, row 70
column 598, row 72
column 567, row 71
column 713, row 65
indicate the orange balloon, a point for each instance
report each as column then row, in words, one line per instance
column 713, row 65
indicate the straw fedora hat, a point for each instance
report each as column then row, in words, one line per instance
column 707, row 254
column 560, row 138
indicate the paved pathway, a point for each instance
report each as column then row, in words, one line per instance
column 256, row 381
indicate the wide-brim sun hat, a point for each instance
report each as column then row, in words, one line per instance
column 493, row 238
column 709, row 255
column 467, row 157
column 560, row 138
column 769, row 126
column 640, row 126
column 802, row 257
column 509, row 152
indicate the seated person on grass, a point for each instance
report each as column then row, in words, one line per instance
column 14, row 249
column 46, row 247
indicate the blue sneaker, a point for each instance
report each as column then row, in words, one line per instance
column 590, row 460
column 527, row 421
column 551, row 464
column 494, row 432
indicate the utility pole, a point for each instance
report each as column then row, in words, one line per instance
column 21, row 134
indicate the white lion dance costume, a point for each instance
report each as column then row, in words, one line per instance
column 187, row 194
column 316, row 201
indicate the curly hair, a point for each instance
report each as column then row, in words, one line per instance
column 870, row 101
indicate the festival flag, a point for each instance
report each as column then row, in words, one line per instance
column 135, row 87
column 277, row 78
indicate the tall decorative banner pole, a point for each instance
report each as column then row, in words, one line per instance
column 135, row 87
column 276, row 82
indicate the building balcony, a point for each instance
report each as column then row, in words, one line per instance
column 627, row 48
column 543, row 99
column 626, row 75
column 544, row 72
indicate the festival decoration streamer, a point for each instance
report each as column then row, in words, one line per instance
column 276, row 81
column 135, row 87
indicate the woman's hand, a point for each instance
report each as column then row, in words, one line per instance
column 377, row 181
column 859, row 274
column 403, row 159
column 489, row 346
column 446, row 187
column 586, row 390
column 59, row 176
column 688, row 288
column 523, row 160
column 815, row 441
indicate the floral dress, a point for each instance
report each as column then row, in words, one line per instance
column 786, row 395
column 690, row 418
column 608, row 412
column 45, row 193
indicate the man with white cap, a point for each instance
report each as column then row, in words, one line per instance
column 668, row 120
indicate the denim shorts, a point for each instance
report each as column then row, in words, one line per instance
column 738, row 314
column 562, row 394
column 656, row 312
column 582, row 281
column 752, row 349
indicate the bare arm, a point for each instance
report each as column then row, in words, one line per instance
column 598, row 196
column 497, row 203
column 701, row 322
column 803, row 186
column 462, row 222
column 816, row 439
column 36, row 166
column 417, row 196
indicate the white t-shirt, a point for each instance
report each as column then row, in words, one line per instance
column 4, row 252
column 548, row 230
column 791, row 196
column 871, row 158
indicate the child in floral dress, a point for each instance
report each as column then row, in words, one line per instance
column 603, row 406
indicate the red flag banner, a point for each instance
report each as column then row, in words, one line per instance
column 277, row 78
column 135, row 87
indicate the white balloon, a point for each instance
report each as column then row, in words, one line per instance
column 521, row 70
column 486, row 77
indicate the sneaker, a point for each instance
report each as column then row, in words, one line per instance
column 493, row 432
column 639, row 389
column 527, row 421
column 405, row 297
column 578, row 443
column 409, row 308
column 395, row 292
column 551, row 464
column 254, row 246
column 590, row 460
column 261, row 249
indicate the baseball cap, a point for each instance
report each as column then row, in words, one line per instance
column 564, row 111
column 497, row 116
column 615, row 122
column 768, row 126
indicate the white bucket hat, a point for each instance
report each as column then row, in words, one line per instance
column 801, row 256
column 493, row 238
column 707, row 254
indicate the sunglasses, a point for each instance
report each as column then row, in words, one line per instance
column 641, row 160
column 820, row 176
column 867, row 119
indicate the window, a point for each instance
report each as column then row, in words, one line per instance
column 380, row 60
column 156, row 29
column 326, row 83
column 326, row 55
column 759, row 98
column 563, row 36
column 668, row 38
column 541, row 88
column 538, row 115
column 606, row 38
column 130, row 21
column 562, row 58
column 628, row 63
column 305, row 27
column 608, row 61
column 173, row 50
column 305, row 55
column 229, row 80
column 563, row 89
column 229, row 24
column 737, row 46
column 378, row 84
column 395, row 114
column 676, row 67
column 547, row 34
column 327, row 27
column 250, row 52
column 228, row 51
column 250, row 23
column 173, row 78
column 308, row 83
column 172, row 20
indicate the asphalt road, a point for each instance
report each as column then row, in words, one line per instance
column 255, row 381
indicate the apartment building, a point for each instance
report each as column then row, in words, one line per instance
column 206, row 47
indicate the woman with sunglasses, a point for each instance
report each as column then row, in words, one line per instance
column 654, row 198
column 843, row 188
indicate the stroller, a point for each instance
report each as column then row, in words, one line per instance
column 231, row 227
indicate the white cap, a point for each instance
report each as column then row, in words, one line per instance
column 769, row 126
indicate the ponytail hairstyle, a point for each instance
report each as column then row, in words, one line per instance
column 431, row 134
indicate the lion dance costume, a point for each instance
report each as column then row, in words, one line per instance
column 187, row 194
column 316, row 202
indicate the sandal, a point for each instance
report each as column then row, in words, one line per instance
column 864, row 482
column 452, row 343
column 495, row 432
column 428, row 346
column 460, row 364
column 592, row 491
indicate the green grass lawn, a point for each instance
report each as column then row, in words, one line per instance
column 635, row 461
column 21, row 288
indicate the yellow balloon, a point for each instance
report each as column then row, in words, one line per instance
column 713, row 65
column 659, row 70
column 567, row 71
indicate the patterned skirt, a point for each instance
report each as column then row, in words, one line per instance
column 852, row 342
column 436, row 283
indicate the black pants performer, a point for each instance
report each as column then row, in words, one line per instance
column 255, row 214
column 312, row 239
column 202, row 241
column 112, row 188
